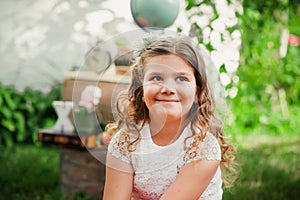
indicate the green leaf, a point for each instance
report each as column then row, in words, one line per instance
column 6, row 112
column 20, row 125
column 8, row 124
column 8, row 139
column 1, row 100
column 9, row 101
column 222, row 69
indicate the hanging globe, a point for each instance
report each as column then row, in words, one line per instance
column 154, row 14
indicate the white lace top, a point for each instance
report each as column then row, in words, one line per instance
column 156, row 167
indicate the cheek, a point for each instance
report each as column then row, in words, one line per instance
column 188, row 91
column 189, row 95
column 149, row 92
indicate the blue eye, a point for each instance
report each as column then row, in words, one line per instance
column 156, row 78
column 181, row 78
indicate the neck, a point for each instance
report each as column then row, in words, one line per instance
column 166, row 132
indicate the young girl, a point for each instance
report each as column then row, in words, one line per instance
column 168, row 143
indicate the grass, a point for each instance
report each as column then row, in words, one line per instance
column 269, row 170
column 30, row 172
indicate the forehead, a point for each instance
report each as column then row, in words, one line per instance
column 168, row 62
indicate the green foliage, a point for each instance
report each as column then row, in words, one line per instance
column 31, row 172
column 261, row 64
column 268, row 93
column 22, row 114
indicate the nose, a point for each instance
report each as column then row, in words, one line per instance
column 167, row 88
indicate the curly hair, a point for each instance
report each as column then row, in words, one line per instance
column 133, row 112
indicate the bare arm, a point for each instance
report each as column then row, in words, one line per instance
column 192, row 180
column 119, row 179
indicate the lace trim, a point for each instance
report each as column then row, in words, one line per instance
column 118, row 147
column 208, row 149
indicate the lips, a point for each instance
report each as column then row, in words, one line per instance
column 167, row 100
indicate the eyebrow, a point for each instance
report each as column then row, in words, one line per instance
column 155, row 73
column 185, row 73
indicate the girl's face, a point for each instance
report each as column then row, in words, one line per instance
column 169, row 87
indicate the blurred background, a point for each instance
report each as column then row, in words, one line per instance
column 254, row 45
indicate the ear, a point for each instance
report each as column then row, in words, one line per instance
column 196, row 99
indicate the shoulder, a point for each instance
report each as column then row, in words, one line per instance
column 207, row 149
column 118, row 146
column 123, row 143
column 211, row 143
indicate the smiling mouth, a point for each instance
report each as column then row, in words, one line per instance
column 168, row 100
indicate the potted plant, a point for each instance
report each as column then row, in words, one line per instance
column 85, row 117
